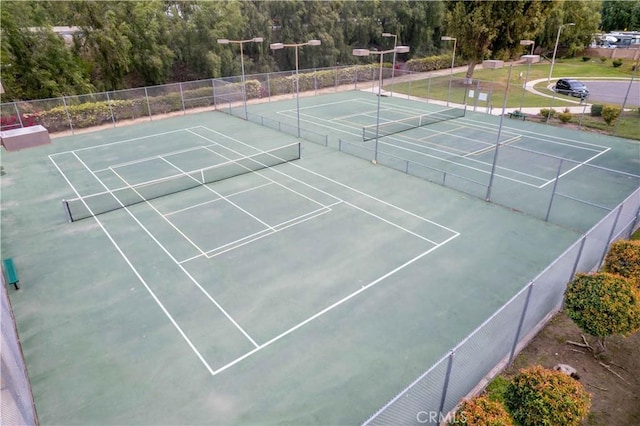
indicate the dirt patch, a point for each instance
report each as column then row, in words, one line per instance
column 615, row 400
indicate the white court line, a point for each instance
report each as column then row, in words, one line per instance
column 118, row 142
column 261, row 234
column 216, row 199
column 277, row 228
column 574, row 168
column 222, row 197
column 392, row 224
column 156, row 210
column 447, row 153
column 137, row 274
column 172, row 258
column 331, row 307
column 153, row 157
column 293, row 164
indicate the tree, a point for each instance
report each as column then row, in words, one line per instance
column 481, row 27
column 603, row 304
column 585, row 14
column 540, row 397
column 619, row 15
column 35, row 61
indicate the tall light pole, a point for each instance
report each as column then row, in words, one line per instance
column 453, row 60
column 529, row 58
column 277, row 46
column 381, row 53
column 241, row 42
column 395, row 44
column 555, row 49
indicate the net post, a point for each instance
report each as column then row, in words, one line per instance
column 67, row 211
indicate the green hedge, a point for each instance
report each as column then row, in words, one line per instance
column 432, row 63
column 89, row 114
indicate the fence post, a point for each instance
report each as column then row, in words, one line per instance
column 113, row 119
column 269, row 86
column 213, row 87
column 520, row 323
column 577, row 262
column 184, row 110
column 66, row 110
column 613, row 230
column 15, row 106
column 553, row 192
column 446, row 384
column 146, row 96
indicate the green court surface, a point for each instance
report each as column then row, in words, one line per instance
column 307, row 292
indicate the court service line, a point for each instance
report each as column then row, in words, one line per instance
column 331, row 307
column 261, row 234
column 461, row 164
column 293, row 164
column 259, row 173
column 118, row 142
column 129, row 186
column 220, row 195
column 301, row 219
column 163, row 248
column 574, row 168
column 551, row 139
column 137, row 274
column 215, row 199
column 153, row 157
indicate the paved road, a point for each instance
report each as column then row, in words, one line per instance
column 614, row 92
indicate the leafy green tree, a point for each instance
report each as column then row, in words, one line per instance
column 103, row 41
column 35, row 62
column 195, row 28
column 585, row 14
column 150, row 57
column 603, row 304
column 619, row 15
column 481, row 27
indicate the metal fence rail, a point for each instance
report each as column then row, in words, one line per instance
column 495, row 343
column 16, row 401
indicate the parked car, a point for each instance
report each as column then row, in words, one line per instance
column 571, row 87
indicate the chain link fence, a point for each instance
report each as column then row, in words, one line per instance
column 497, row 341
column 16, row 401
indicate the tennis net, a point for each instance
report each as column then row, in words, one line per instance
column 109, row 200
column 397, row 126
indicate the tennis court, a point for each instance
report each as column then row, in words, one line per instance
column 522, row 165
column 208, row 270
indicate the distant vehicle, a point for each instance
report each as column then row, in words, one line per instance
column 571, row 87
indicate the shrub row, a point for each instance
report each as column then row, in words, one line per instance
column 432, row 63
column 536, row 396
column 88, row 114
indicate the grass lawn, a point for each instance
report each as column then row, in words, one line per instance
column 493, row 82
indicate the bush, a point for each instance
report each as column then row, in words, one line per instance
column 616, row 63
column 431, row 63
column 603, row 304
column 610, row 114
column 481, row 411
column 541, row 397
column 565, row 116
column 548, row 112
column 624, row 259
column 596, row 110
column 603, row 59
column 585, row 58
